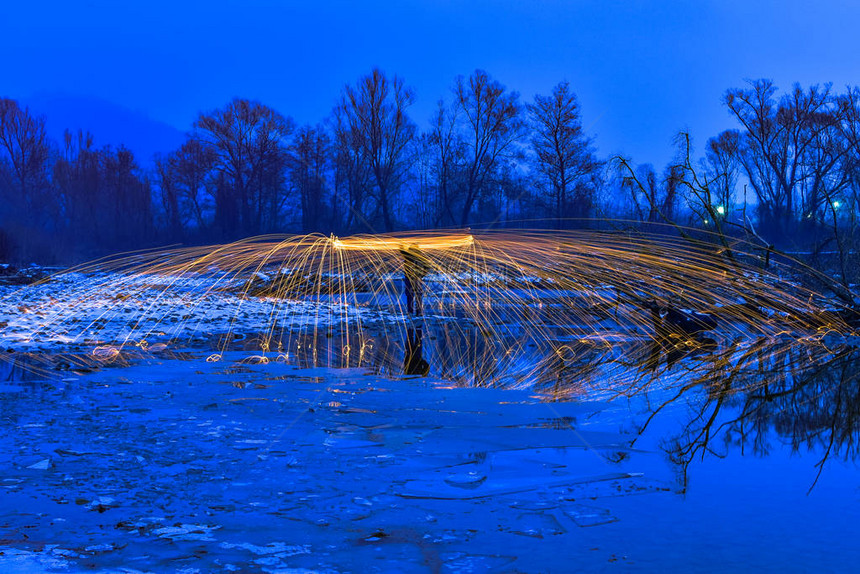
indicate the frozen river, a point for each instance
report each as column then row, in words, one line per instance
column 150, row 425
column 176, row 464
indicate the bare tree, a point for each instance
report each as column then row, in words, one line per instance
column 127, row 193
column 352, row 177
column 106, row 196
column 308, row 165
column 775, row 142
column 424, row 196
column 823, row 180
column 77, row 177
column 448, row 154
column 192, row 165
column 492, row 125
column 185, row 180
column 720, row 165
column 648, row 194
column 167, row 184
column 249, row 141
column 849, row 209
column 374, row 113
column 25, row 143
column 565, row 156
column 849, row 113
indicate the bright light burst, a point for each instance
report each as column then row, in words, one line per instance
column 390, row 243
column 515, row 308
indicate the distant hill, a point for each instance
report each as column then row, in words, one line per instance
column 110, row 124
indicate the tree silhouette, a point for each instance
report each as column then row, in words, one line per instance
column 564, row 155
column 373, row 122
column 492, row 124
column 249, row 143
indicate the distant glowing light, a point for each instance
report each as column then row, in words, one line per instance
column 837, row 204
column 721, row 209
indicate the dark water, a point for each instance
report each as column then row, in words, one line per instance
column 763, row 444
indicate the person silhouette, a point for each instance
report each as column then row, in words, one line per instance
column 415, row 268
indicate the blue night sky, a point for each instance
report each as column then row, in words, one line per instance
column 642, row 70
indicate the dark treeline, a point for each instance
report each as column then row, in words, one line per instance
column 789, row 174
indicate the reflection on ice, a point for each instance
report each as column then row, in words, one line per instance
column 807, row 398
column 317, row 468
column 413, row 360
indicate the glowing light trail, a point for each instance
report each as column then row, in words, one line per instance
column 500, row 307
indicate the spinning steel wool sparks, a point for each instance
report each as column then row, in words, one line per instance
column 515, row 308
